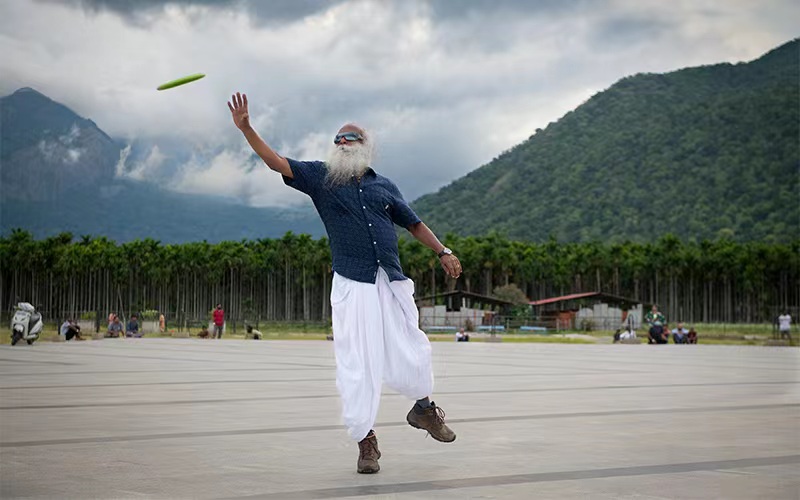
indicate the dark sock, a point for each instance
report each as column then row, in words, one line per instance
column 422, row 404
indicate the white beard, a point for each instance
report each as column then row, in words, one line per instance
column 344, row 162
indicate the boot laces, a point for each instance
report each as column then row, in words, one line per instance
column 438, row 416
column 368, row 448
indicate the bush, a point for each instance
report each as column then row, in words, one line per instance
column 150, row 314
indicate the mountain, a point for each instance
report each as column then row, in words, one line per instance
column 58, row 172
column 701, row 152
column 47, row 150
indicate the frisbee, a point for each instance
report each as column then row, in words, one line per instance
column 181, row 81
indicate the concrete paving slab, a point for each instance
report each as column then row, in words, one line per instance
column 191, row 418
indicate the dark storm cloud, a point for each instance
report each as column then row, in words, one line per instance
column 263, row 11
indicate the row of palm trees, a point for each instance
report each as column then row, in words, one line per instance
column 288, row 279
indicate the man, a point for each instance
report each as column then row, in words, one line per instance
column 461, row 336
column 656, row 334
column 219, row 321
column 680, row 334
column 69, row 329
column 114, row 328
column 132, row 330
column 654, row 316
column 785, row 325
column 375, row 320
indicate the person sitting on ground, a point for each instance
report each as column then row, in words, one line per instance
column 624, row 335
column 132, row 329
column 114, row 328
column 203, row 334
column 691, row 337
column 255, row 333
column 461, row 336
column 679, row 334
column 70, row 329
column 656, row 334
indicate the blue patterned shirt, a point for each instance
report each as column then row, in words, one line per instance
column 359, row 217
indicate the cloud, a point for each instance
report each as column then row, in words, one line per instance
column 143, row 12
column 144, row 170
column 60, row 150
column 236, row 175
column 444, row 86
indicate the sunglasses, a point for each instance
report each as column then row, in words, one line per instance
column 348, row 136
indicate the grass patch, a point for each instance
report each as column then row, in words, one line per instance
column 720, row 336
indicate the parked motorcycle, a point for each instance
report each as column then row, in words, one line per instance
column 26, row 324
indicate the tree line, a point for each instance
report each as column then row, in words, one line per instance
column 288, row 279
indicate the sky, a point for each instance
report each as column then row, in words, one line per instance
column 443, row 87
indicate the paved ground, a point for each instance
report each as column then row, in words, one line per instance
column 185, row 418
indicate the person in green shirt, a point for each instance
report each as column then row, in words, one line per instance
column 653, row 316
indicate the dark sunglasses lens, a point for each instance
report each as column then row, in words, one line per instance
column 350, row 136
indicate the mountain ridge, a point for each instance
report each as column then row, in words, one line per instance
column 59, row 173
column 652, row 150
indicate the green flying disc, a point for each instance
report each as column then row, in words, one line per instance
column 181, row 81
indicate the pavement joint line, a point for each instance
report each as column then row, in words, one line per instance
column 516, row 479
column 313, row 428
column 180, row 370
column 199, row 360
column 388, row 394
column 269, row 381
column 38, row 362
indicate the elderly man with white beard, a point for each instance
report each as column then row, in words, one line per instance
column 375, row 320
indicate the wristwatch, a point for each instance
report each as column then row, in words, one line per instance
column 445, row 251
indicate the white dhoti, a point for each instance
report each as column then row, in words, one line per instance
column 377, row 339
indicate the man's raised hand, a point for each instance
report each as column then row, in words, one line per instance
column 239, row 113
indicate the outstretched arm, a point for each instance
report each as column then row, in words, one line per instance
column 241, row 118
column 424, row 235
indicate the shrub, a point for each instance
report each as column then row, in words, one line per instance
column 149, row 314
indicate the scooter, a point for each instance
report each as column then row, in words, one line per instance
column 26, row 325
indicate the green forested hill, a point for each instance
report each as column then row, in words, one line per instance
column 701, row 153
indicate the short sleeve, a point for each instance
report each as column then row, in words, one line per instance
column 402, row 214
column 307, row 176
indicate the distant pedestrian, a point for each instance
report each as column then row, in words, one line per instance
column 219, row 321
column 785, row 325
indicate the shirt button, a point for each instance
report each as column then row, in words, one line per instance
column 364, row 207
column 360, row 190
column 374, row 242
column 379, row 261
column 370, row 224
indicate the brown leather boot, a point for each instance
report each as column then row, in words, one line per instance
column 431, row 419
column 368, row 454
